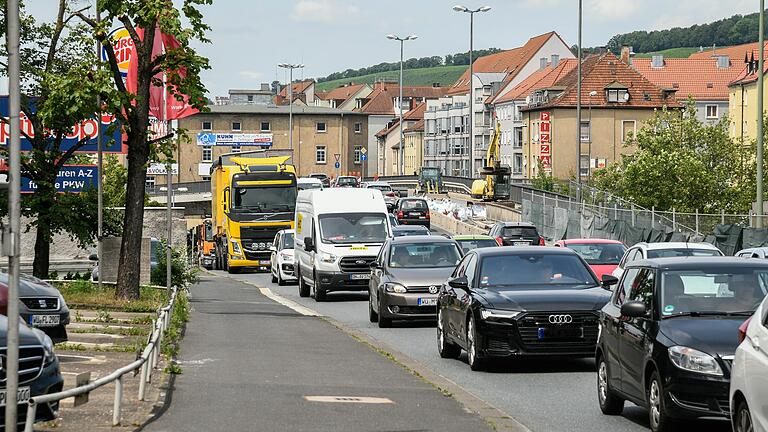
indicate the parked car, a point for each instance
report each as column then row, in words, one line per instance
column 602, row 255
column 519, row 301
column 390, row 196
column 516, row 234
column 41, row 306
column 644, row 250
column 759, row 252
column 469, row 242
column 413, row 211
column 749, row 375
column 406, row 277
column 409, row 230
column 323, row 178
column 668, row 336
column 39, row 372
column 281, row 260
column 303, row 183
column 346, row 182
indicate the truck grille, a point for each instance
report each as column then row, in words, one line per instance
column 30, row 363
column 41, row 303
column 260, row 234
column 361, row 264
column 529, row 324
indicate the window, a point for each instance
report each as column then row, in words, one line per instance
column 517, row 165
column 469, row 271
column 207, row 153
column 320, row 127
column 206, row 126
column 150, row 182
column 206, row 178
column 518, row 140
column 711, row 111
column 585, row 131
column 358, row 128
column 320, row 155
column 626, row 286
column 236, row 149
column 617, row 95
column 628, row 130
column 265, row 126
column 250, row 98
column 235, row 126
column 642, row 288
column 358, row 154
column 584, row 165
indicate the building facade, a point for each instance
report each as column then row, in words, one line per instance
column 413, row 149
column 742, row 101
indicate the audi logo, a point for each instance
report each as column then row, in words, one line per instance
column 560, row 319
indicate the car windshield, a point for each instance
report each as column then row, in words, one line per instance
column 682, row 252
column 353, row 228
column 714, row 290
column 383, row 188
column 265, row 199
column 544, row 270
column 413, row 205
column 519, row 231
column 424, row 255
column 288, row 241
column 319, row 176
column 468, row 245
column 347, row 181
column 599, row 253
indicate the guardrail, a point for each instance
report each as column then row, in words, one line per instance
column 191, row 188
column 148, row 361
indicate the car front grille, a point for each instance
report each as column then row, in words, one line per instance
column 529, row 324
column 40, row 303
column 30, row 363
column 420, row 289
column 361, row 264
column 417, row 310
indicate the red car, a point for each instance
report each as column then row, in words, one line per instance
column 602, row 255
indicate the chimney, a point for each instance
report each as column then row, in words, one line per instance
column 542, row 63
column 625, row 51
column 265, row 87
column 723, row 62
column 555, row 60
column 657, row 61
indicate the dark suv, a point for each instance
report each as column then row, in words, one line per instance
column 516, row 234
column 669, row 333
column 413, row 211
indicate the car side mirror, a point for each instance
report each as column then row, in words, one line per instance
column 460, row 282
column 93, row 257
column 607, row 281
column 633, row 309
column 309, row 246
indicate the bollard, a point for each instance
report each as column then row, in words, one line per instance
column 118, row 401
column 31, row 412
column 633, row 215
column 143, row 381
column 722, row 217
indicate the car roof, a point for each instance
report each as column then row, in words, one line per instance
column 517, row 224
column 676, row 245
column 590, row 241
column 764, row 249
column 377, row 183
column 422, row 239
column 411, row 228
column 473, row 237
column 690, row 263
column 523, row 250
column 308, row 180
column 287, row 231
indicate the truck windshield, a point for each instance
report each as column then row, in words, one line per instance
column 353, row 228
column 266, row 199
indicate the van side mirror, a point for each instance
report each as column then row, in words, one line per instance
column 309, row 245
column 607, row 281
column 460, row 282
column 272, row 248
column 375, row 265
column 633, row 309
column 93, row 257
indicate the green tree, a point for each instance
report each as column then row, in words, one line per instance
column 181, row 66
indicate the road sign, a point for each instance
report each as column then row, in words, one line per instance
column 337, row 156
column 71, row 178
column 363, row 157
column 337, row 165
column 363, row 150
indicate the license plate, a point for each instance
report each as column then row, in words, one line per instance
column 414, row 214
column 22, row 396
column 44, row 320
column 520, row 243
column 359, row 276
column 427, row 302
column 560, row 332
column 265, row 262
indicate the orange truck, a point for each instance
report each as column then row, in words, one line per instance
column 205, row 245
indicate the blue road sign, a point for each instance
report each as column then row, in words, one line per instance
column 71, row 178
column 363, row 157
column 337, row 165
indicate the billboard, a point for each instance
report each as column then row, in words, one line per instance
column 159, row 169
column 230, row 139
column 71, row 178
column 122, row 44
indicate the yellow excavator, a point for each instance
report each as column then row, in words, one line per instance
column 495, row 185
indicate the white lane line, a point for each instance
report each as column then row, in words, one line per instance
column 288, row 303
column 349, row 399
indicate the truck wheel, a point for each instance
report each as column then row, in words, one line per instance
column 233, row 270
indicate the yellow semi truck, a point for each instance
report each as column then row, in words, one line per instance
column 253, row 196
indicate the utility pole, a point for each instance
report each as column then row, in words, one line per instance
column 761, row 60
column 100, row 166
column 290, row 68
column 578, row 113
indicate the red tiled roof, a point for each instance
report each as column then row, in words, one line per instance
column 699, row 78
column 542, row 78
column 298, row 87
column 416, row 127
column 384, row 132
column 735, row 52
column 344, row 92
column 416, row 113
column 606, row 70
column 745, row 77
column 510, row 62
column 381, row 100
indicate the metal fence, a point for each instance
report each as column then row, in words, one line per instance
column 148, row 361
column 191, row 188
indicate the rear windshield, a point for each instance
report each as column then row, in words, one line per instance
column 599, row 253
column 347, row 180
column 519, row 232
column 468, row 245
column 413, row 205
column 424, row 255
column 319, row 176
column 671, row 253
column 383, row 188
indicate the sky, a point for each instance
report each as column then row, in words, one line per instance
column 250, row 37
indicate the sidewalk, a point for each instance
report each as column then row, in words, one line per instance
column 250, row 364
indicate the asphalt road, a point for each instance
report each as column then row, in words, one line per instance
column 251, row 364
column 545, row 396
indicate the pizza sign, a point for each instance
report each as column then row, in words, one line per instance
column 545, row 146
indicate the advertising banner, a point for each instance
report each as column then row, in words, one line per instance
column 230, row 139
column 71, row 178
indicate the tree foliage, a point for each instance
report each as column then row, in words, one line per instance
column 680, row 163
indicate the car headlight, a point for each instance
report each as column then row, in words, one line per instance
column 327, row 257
column 236, row 247
column 395, row 287
column 47, row 346
column 497, row 314
column 694, row 360
column 286, row 256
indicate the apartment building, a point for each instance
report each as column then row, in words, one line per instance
column 347, row 97
column 388, row 140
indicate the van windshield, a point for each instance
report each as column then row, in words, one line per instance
column 353, row 228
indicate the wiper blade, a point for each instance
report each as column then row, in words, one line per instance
column 709, row 313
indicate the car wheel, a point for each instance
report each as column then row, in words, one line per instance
column 445, row 348
column 303, row 287
column 475, row 362
column 657, row 411
column 373, row 316
column 275, row 279
column 383, row 321
column 280, row 280
column 610, row 403
column 319, row 292
column 742, row 420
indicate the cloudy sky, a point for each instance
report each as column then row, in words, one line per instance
column 250, row 37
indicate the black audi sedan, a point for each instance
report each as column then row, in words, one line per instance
column 519, row 301
column 669, row 333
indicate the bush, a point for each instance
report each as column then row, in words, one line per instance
column 181, row 273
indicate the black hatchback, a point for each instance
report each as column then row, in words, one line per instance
column 413, row 211
column 669, row 333
column 516, row 234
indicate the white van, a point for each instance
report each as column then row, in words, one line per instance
column 338, row 234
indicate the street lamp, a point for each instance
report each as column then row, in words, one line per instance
column 290, row 68
column 400, row 101
column 471, row 12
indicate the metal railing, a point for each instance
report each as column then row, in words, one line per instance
column 148, row 361
column 192, row 188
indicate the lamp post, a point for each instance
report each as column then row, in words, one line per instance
column 290, row 68
column 578, row 113
column 761, row 61
column 592, row 94
column 400, row 100
column 471, row 12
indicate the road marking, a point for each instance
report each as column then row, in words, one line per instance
column 348, row 399
column 288, row 303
